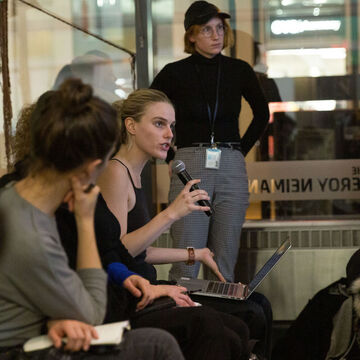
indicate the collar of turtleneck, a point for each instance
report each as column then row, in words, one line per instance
column 200, row 59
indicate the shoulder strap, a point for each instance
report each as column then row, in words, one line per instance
column 132, row 182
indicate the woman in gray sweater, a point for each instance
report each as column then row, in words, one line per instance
column 73, row 135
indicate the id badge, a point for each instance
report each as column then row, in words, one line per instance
column 213, row 156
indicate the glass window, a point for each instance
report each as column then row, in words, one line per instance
column 305, row 53
column 52, row 40
column 311, row 51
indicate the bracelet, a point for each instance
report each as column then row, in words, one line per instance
column 191, row 259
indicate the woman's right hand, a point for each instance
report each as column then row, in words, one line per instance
column 78, row 334
column 140, row 287
column 186, row 201
column 82, row 202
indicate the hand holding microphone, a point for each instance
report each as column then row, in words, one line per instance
column 178, row 167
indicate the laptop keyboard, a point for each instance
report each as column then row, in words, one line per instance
column 220, row 288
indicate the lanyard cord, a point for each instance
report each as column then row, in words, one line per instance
column 211, row 116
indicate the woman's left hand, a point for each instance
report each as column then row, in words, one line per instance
column 206, row 256
column 140, row 287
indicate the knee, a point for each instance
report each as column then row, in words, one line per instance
column 263, row 302
column 238, row 345
column 156, row 343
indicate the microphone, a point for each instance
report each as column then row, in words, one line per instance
column 178, row 167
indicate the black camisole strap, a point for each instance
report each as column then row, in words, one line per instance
column 126, row 170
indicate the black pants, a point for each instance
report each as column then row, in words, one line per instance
column 255, row 312
column 201, row 332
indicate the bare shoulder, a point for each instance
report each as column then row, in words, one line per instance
column 114, row 178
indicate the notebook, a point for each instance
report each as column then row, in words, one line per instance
column 109, row 334
column 236, row 291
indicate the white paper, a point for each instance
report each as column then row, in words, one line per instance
column 109, row 334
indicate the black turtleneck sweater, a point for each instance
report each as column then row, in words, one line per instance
column 191, row 84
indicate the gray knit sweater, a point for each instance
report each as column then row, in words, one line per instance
column 36, row 282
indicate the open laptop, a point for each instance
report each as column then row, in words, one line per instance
column 236, row 291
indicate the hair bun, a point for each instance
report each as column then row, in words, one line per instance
column 75, row 95
column 118, row 106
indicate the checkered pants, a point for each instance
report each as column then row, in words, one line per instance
column 228, row 190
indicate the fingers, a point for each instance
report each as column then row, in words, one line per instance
column 188, row 301
column 94, row 333
column 183, row 300
column 145, row 300
column 208, row 259
column 148, row 295
column 84, row 198
column 201, row 208
column 190, row 184
column 196, row 190
column 55, row 338
column 186, row 201
column 128, row 285
column 181, row 289
column 134, row 291
column 76, row 184
column 199, row 195
column 179, row 294
column 77, row 334
column 79, row 188
column 69, row 199
column 79, row 337
column 87, row 338
column 219, row 275
column 191, row 199
column 74, row 339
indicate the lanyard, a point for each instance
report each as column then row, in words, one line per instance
column 211, row 116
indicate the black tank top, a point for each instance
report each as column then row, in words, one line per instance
column 138, row 216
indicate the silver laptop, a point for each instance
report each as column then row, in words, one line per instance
column 236, row 291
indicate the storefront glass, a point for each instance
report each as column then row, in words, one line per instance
column 305, row 53
column 50, row 40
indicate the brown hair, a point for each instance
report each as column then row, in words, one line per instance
column 21, row 141
column 70, row 126
column 135, row 106
column 189, row 46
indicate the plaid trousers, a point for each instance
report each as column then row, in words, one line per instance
column 228, row 190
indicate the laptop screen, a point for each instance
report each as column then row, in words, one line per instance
column 261, row 274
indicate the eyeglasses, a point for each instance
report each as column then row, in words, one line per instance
column 208, row 31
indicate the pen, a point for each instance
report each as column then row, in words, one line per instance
column 89, row 188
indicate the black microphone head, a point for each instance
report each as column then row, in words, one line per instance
column 177, row 166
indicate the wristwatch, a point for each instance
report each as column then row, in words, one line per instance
column 191, row 259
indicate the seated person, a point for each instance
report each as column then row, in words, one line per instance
column 147, row 118
column 73, row 135
column 208, row 343
column 328, row 326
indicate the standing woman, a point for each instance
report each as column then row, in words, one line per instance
column 73, row 135
column 206, row 89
